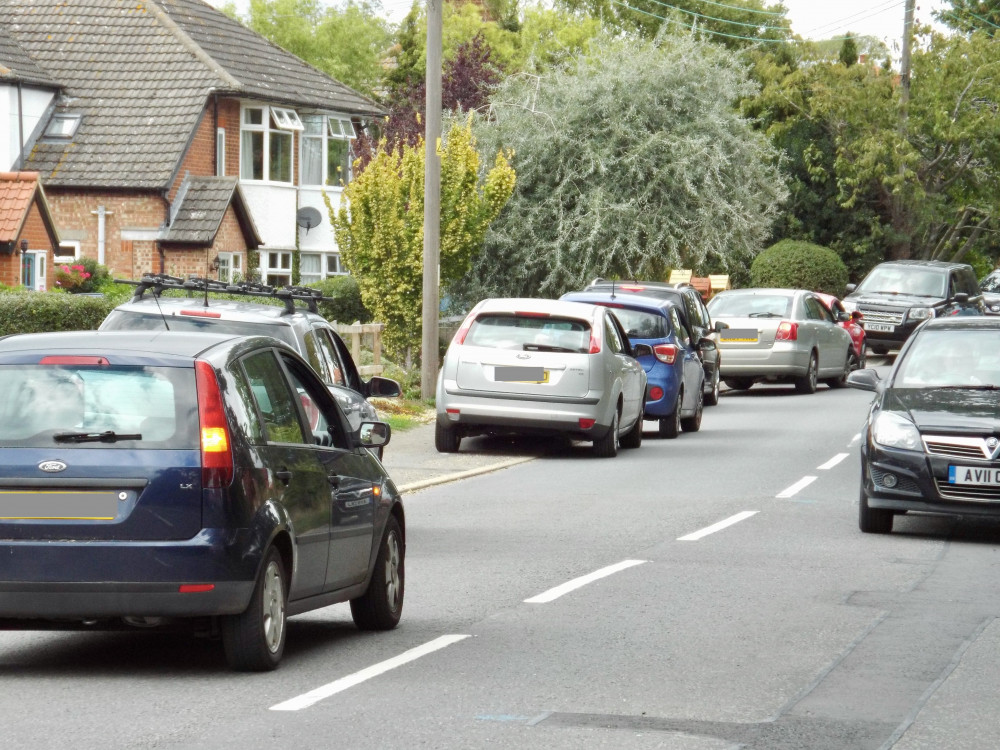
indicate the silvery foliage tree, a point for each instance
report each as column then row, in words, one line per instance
column 630, row 161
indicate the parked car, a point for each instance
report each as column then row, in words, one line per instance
column 850, row 322
column 931, row 435
column 897, row 296
column 781, row 335
column 157, row 477
column 675, row 376
column 537, row 366
column 694, row 315
column 301, row 327
column 990, row 287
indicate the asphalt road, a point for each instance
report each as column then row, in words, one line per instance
column 707, row 592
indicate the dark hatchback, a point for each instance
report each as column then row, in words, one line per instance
column 157, row 478
column 932, row 438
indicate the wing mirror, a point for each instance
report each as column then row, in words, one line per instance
column 864, row 380
column 372, row 434
column 843, row 317
column 707, row 345
column 383, row 387
column 719, row 326
column 642, row 350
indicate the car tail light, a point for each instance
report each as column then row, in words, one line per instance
column 195, row 588
column 586, row 424
column 631, row 288
column 216, row 450
column 665, row 353
column 787, row 331
column 531, row 315
column 55, row 359
column 655, row 393
column 463, row 331
column 595, row 340
column 202, row 313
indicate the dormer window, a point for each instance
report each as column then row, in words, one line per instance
column 62, row 126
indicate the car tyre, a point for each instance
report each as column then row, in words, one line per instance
column 633, row 438
column 254, row 640
column 670, row 427
column 693, row 423
column 446, row 438
column 607, row 446
column 873, row 520
column 738, row 384
column 381, row 606
column 712, row 397
column 849, row 366
column 807, row 383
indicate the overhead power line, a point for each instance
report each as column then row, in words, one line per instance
column 722, row 20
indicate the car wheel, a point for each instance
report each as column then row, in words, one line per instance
column 254, row 640
column 863, row 359
column 607, row 446
column 633, row 438
column 693, row 423
column 873, row 520
column 880, row 350
column 381, row 606
column 670, row 427
column 712, row 397
column 807, row 383
column 849, row 366
column 738, row 384
column 446, row 438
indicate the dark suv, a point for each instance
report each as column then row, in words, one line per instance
column 300, row 326
column 897, row 296
column 693, row 313
column 162, row 478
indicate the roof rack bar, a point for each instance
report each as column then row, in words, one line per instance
column 157, row 282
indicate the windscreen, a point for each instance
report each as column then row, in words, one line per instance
column 905, row 280
column 751, row 306
column 955, row 358
column 529, row 333
column 123, row 320
column 149, row 407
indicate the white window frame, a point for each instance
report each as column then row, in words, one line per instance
column 39, row 283
column 334, row 128
column 230, row 264
column 220, row 152
column 73, row 246
column 274, row 121
column 275, row 263
column 338, row 268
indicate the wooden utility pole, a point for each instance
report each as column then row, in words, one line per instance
column 902, row 248
column 904, row 63
column 432, row 203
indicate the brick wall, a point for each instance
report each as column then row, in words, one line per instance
column 38, row 238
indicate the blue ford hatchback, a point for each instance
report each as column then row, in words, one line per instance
column 675, row 374
column 158, row 477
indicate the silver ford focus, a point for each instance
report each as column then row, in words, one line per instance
column 537, row 366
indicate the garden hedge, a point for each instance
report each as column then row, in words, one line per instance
column 792, row 264
column 35, row 312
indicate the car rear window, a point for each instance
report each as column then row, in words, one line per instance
column 39, row 402
column 751, row 306
column 529, row 333
column 125, row 320
column 639, row 324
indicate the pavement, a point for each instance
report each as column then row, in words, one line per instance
column 415, row 464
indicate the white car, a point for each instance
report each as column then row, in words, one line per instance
column 537, row 366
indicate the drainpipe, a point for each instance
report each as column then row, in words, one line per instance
column 20, row 128
column 101, row 213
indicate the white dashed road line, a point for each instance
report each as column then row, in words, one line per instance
column 833, row 461
column 315, row 696
column 576, row 583
column 799, row 485
column 717, row 526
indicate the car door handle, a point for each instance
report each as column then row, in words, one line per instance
column 284, row 476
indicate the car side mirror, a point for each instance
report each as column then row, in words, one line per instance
column 864, row 380
column 719, row 326
column 642, row 350
column 843, row 316
column 372, row 434
column 961, row 297
column 856, row 315
column 707, row 345
column 851, row 287
column 383, row 387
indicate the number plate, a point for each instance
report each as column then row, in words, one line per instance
column 973, row 475
column 739, row 334
column 881, row 327
column 521, row 375
column 77, row 506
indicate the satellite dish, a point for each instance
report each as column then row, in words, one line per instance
column 308, row 217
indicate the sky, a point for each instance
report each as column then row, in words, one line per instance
column 811, row 19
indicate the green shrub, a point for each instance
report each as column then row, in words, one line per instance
column 346, row 306
column 792, row 264
column 35, row 312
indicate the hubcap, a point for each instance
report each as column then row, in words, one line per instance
column 392, row 586
column 274, row 607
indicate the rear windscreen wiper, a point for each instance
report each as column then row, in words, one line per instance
column 93, row 437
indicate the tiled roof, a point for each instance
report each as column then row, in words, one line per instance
column 202, row 205
column 17, row 191
column 140, row 73
column 16, row 64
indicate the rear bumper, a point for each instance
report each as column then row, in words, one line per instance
column 536, row 416
column 68, row 579
column 778, row 361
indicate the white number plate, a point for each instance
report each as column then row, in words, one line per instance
column 884, row 327
column 973, row 475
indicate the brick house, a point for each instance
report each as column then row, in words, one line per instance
column 169, row 137
column 28, row 237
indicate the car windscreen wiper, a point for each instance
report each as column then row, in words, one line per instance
column 548, row 348
column 109, row 436
column 971, row 387
column 765, row 315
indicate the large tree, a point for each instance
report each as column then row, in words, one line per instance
column 972, row 15
column 630, row 162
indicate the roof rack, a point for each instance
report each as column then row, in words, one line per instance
column 156, row 283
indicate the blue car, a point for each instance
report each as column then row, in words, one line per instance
column 675, row 373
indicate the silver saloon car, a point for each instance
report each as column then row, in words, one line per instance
column 781, row 335
column 536, row 366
